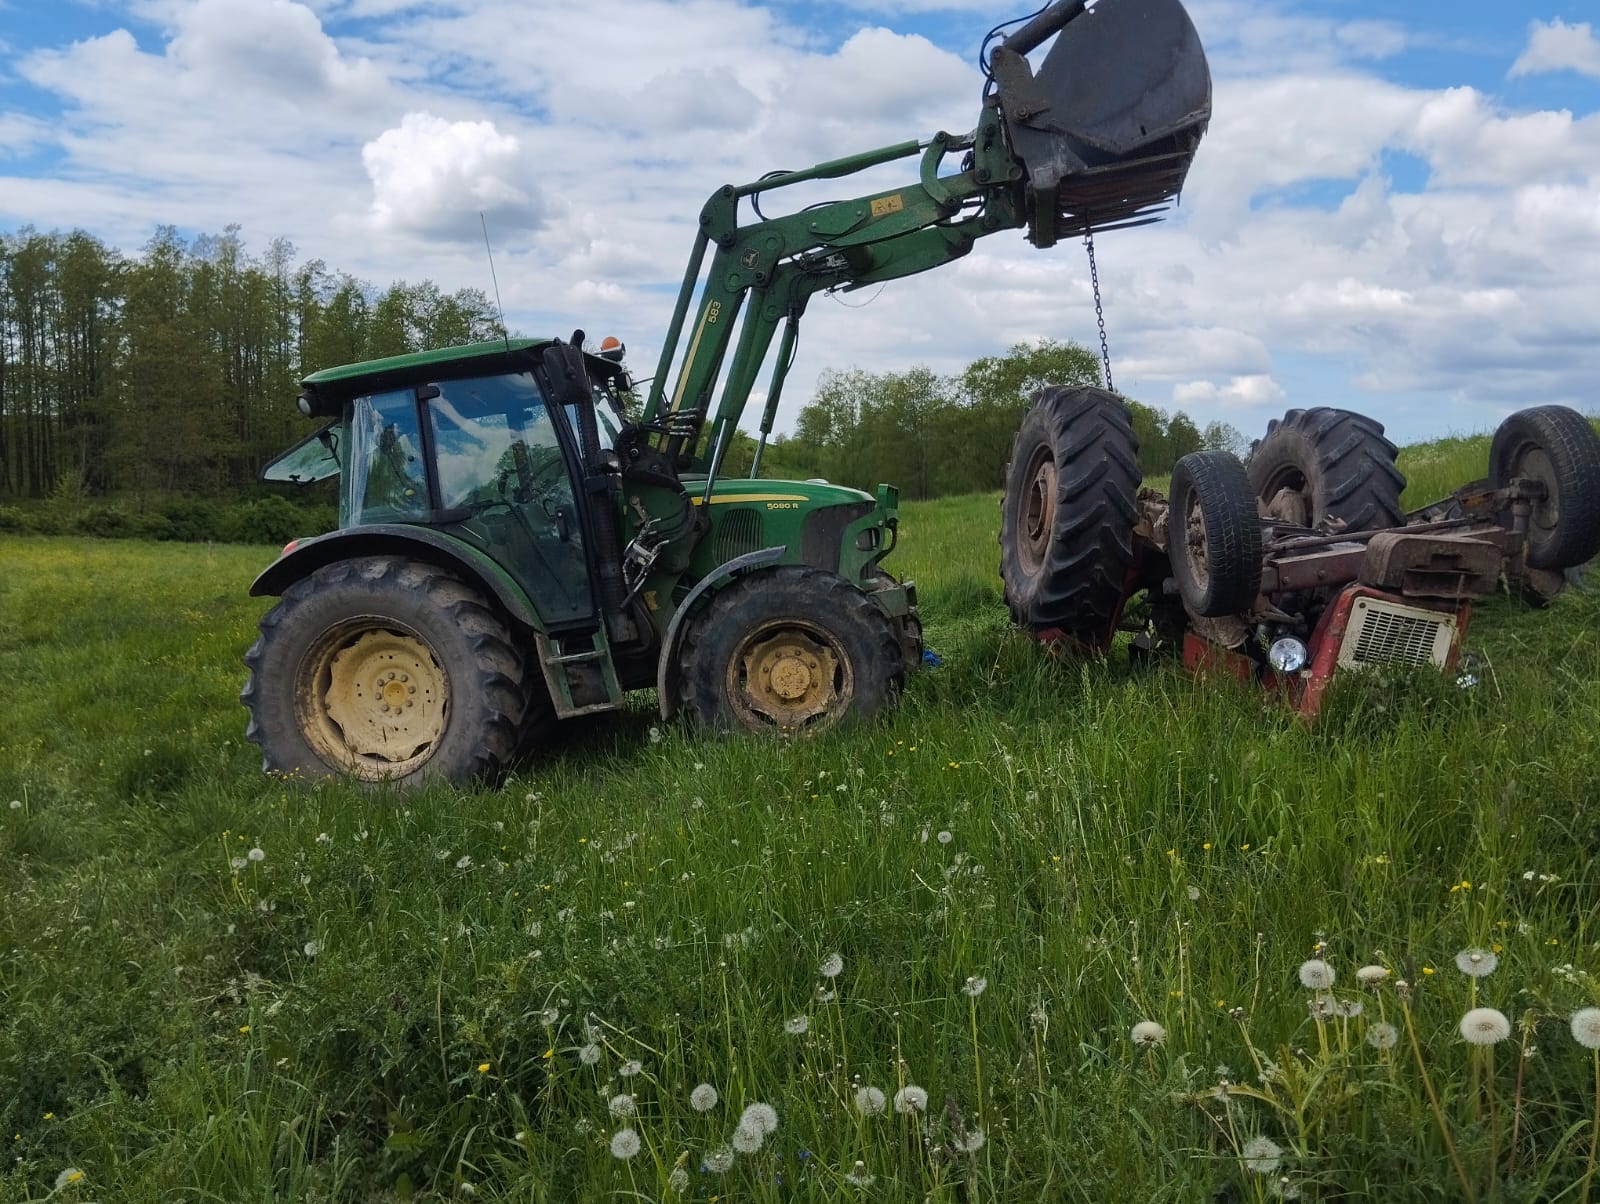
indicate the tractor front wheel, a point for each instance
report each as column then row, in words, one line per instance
column 793, row 650
column 384, row 669
column 1557, row 447
column 1214, row 534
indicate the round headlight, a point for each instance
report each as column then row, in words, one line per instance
column 1287, row 655
column 304, row 402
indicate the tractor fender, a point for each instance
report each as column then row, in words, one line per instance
column 715, row 579
column 307, row 556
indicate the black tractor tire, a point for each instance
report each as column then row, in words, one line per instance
column 1338, row 462
column 1214, row 534
column 384, row 669
column 1067, row 515
column 789, row 649
column 1557, row 446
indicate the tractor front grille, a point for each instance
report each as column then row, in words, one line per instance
column 1386, row 633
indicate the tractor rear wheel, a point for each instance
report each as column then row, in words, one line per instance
column 1214, row 534
column 1068, row 513
column 1558, row 447
column 1326, row 466
column 384, row 669
column 791, row 649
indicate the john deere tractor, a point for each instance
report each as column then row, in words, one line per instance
column 520, row 544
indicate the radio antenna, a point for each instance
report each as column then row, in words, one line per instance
column 500, row 309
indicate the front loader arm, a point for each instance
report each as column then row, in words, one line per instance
column 1102, row 137
column 769, row 269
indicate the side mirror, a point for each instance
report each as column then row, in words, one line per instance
column 569, row 379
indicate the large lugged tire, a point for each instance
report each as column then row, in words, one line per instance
column 790, row 649
column 1068, row 513
column 384, row 669
column 1336, row 463
column 1557, row 446
column 1214, row 534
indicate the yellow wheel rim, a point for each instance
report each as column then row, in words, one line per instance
column 790, row 674
column 373, row 700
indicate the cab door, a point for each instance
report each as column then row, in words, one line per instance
column 504, row 476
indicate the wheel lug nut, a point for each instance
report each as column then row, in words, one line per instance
column 411, row 689
column 403, row 677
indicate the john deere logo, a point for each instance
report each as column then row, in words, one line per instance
column 748, row 259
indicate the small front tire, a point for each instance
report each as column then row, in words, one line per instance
column 1214, row 534
column 1558, row 447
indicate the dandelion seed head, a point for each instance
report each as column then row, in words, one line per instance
column 761, row 1117
column 1476, row 963
column 71, row 1174
column 719, row 1161
column 589, row 1054
column 747, row 1140
column 797, row 1026
column 624, row 1144
column 857, row 1176
column 703, row 1098
column 621, row 1105
column 832, row 966
column 1372, row 976
column 549, row 1016
column 1284, row 1188
column 678, row 1181
column 1485, row 1026
column 1320, row 1007
column 910, row 1099
column 972, row 1141
column 1147, row 1034
column 944, row 837
column 975, row 986
column 630, row 1068
column 1193, row 892
column 16, row 805
column 1260, row 1155
column 825, row 994
column 237, row 863
column 464, row 862
column 1348, row 1008
column 1586, row 1027
column 1316, row 974
column 869, row 1101
column 311, row 948
column 1382, row 1035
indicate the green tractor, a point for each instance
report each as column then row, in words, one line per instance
column 520, row 543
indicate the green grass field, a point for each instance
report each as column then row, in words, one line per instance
column 216, row 987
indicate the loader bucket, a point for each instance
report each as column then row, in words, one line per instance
column 1106, row 130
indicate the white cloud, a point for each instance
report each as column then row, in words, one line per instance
column 1240, row 392
column 1557, row 46
column 432, row 178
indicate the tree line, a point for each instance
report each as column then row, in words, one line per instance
column 174, row 371
column 933, row 435
column 168, row 376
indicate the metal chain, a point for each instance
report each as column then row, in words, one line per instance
column 1099, row 313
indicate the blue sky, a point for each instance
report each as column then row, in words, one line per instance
column 1397, row 207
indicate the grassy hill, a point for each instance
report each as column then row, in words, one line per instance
column 215, row 986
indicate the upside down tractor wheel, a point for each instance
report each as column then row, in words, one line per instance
column 1558, row 447
column 384, row 669
column 1322, row 467
column 1214, row 534
column 1067, row 515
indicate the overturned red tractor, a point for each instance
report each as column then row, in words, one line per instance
column 1295, row 564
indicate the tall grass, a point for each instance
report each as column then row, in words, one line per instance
column 215, row 986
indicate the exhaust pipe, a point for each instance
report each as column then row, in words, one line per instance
column 1107, row 129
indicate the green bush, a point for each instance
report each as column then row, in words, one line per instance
column 265, row 520
column 16, row 521
column 192, row 520
column 107, row 522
